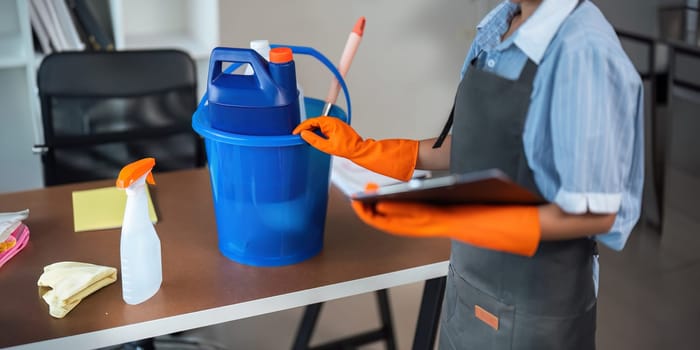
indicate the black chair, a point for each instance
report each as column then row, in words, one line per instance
column 103, row 110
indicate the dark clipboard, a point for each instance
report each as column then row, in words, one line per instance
column 490, row 186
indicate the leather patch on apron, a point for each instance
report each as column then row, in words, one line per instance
column 486, row 317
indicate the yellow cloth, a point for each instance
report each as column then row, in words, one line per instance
column 64, row 284
column 102, row 208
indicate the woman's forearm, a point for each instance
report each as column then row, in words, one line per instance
column 555, row 224
column 430, row 158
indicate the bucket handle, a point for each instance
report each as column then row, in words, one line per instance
column 310, row 51
column 303, row 50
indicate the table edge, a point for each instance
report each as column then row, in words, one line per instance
column 203, row 318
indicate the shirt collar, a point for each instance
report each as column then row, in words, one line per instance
column 537, row 32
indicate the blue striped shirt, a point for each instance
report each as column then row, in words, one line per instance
column 583, row 136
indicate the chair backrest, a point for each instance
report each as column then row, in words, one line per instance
column 103, row 110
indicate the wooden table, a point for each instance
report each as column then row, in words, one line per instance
column 200, row 286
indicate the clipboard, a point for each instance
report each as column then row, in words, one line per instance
column 490, row 186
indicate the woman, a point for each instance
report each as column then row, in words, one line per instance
column 549, row 97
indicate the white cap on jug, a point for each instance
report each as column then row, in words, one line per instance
column 262, row 47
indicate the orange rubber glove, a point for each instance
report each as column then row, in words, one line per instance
column 511, row 229
column 394, row 157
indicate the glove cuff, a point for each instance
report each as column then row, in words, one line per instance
column 395, row 158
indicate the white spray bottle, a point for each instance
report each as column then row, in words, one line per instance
column 141, row 267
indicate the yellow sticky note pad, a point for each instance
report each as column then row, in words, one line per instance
column 102, row 208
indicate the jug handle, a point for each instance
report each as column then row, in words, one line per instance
column 304, row 51
column 309, row 51
column 237, row 57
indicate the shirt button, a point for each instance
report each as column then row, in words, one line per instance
column 491, row 63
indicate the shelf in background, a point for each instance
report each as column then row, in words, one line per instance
column 189, row 25
column 13, row 55
column 192, row 46
column 15, row 34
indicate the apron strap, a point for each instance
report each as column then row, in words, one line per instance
column 450, row 119
column 445, row 129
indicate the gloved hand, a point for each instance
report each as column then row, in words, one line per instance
column 70, row 282
column 511, row 229
column 394, row 157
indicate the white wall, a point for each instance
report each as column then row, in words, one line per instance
column 404, row 75
column 402, row 81
column 406, row 71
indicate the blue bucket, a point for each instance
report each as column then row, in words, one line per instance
column 270, row 193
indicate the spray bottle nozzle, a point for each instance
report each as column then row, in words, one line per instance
column 133, row 171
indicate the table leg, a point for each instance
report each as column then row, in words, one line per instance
column 306, row 328
column 429, row 314
column 384, row 332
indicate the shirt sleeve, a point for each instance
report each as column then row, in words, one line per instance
column 596, row 112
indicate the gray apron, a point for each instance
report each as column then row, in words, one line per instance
column 496, row 300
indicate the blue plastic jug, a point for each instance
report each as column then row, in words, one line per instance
column 264, row 103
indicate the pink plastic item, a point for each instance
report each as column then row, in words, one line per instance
column 21, row 235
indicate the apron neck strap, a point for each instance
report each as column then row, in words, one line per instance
column 445, row 129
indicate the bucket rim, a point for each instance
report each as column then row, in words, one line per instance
column 202, row 126
column 204, row 129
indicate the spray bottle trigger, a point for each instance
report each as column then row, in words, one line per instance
column 133, row 171
column 150, row 179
